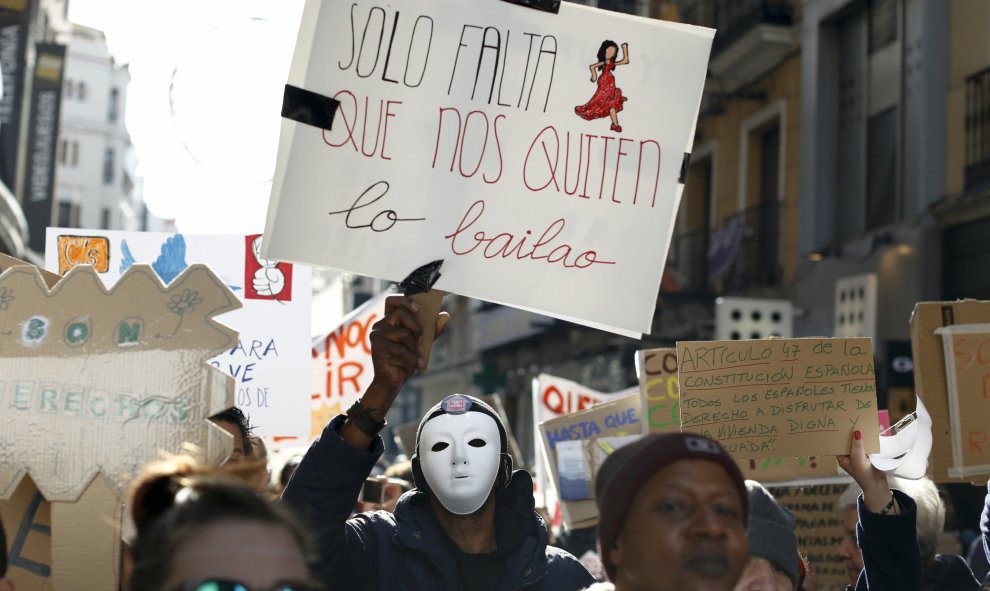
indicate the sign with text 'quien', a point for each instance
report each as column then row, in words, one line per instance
column 780, row 397
column 270, row 362
column 535, row 153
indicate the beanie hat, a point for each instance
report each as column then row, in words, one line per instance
column 627, row 469
column 771, row 531
column 457, row 404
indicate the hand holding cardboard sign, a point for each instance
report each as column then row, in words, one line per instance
column 395, row 356
column 876, row 492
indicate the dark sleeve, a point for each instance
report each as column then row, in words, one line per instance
column 322, row 493
column 889, row 543
column 567, row 571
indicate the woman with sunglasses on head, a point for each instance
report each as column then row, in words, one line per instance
column 209, row 532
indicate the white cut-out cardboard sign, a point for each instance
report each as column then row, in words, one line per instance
column 492, row 136
column 753, row 318
column 96, row 381
column 270, row 360
column 856, row 306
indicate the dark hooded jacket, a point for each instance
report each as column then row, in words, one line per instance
column 948, row 572
column 409, row 549
column 892, row 557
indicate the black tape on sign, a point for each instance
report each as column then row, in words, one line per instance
column 544, row 5
column 308, row 107
column 684, row 167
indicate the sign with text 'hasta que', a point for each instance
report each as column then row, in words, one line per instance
column 535, row 153
column 780, row 397
column 270, row 360
column 556, row 397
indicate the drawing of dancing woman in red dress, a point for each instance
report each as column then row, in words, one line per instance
column 607, row 100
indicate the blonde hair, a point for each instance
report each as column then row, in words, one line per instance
column 931, row 509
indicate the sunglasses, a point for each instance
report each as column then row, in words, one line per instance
column 227, row 585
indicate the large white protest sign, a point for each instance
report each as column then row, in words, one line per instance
column 537, row 154
column 555, row 397
column 270, row 362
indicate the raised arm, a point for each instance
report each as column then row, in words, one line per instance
column 625, row 55
column 325, row 487
column 886, row 532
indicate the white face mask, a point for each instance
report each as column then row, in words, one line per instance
column 459, row 455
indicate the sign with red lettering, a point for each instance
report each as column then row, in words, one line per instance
column 967, row 374
column 342, row 364
column 525, row 149
column 269, row 361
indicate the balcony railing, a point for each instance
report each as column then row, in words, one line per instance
column 977, row 129
column 757, row 264
column 733, row 18
column 744, row 254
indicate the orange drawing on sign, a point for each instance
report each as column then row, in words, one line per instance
column 83, row 250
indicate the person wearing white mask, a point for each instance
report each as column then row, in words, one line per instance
column 470, row 523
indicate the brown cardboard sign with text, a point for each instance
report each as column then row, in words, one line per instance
column 780, row 397
column 820, row 529
column 660, row 391
column 96, row 383
column 966, row 349
column 930, row 380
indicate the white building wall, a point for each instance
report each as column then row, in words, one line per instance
column 96, row 159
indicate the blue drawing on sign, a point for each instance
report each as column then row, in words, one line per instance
column 170, row 262
column 128, row 257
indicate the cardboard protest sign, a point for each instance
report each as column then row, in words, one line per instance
column 780, row 397
column 463, row 131
column 621, row 416
column 495, row 401
column 341, row 364
column 820, row 528
column 270, row 359
column 27, row 519
column 555, row 397
column 966, row 348
column 931, row 381
column 95, row 383
column 659, row 389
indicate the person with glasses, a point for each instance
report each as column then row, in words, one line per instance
column 471, row 521
column 199, row 531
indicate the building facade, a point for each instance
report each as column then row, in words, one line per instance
column 28, row 117
column 97, row 184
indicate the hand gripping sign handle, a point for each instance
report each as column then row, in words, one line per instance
column 419, row 287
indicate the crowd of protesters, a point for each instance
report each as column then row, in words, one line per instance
column 675, row 512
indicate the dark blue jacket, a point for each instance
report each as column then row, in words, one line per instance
column 889, row 543
column 409, row 549
column 892, row 557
